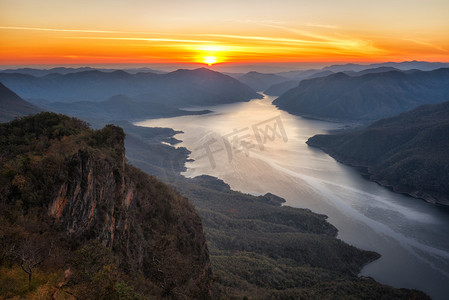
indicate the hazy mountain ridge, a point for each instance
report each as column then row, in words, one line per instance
column 181, row 88
column 260, row 81
column 405, row 65
column 281, row 88
column 64, row 70
column 118, row 107
column 349, row 69
column 367, row 97
column 407, row 152
column 12, row 106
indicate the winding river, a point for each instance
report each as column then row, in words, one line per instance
column 256, row 148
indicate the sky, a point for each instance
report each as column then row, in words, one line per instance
column 143, row 32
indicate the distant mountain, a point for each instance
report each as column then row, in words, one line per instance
column 181, row 88
column 260, row 81
column 367, row 97
column 118, row 107
column 299, row 74
column 370, row 71
column 63, row 71
column 12, row 106
column 405, row 65
column 43, row 72
column 351, row 68
column 408, row 152
column 281, row 88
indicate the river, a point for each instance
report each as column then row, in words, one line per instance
column 257, row 148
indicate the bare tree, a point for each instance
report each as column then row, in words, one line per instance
column 31, row 253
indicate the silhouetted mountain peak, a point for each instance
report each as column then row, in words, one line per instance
column 180, row 88
column 338, row 75
column 12, row 106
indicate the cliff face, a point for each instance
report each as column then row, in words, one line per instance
column 154, row 232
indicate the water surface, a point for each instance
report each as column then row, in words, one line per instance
column 256, row 148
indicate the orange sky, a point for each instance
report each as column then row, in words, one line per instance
column 63, row 32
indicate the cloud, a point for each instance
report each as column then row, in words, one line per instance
column 320, row 25
column 419, row 42
column 61, row 30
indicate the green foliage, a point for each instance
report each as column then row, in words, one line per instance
column 14, row 282
column 407, row 152
column 89, row 225
column 95, row 278
column 36, row 149
column 261, row 250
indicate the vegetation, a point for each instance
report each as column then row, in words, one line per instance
column 258, row 248
column 77, row 222
column 407, row 152
column 144, row 240
column 262, row 250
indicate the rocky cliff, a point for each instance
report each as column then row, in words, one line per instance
column 79, row 178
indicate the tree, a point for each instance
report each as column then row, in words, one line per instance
column 32, row 252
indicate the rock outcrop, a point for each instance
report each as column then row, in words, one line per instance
column 91, row 193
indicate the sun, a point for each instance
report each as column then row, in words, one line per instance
column 210, row 60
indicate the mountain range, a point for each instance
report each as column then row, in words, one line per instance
column 367, row 97
column 260, row 81
column 282, row 87
column 112, row 221
column 64, row 70
column 118, row 107
column 405, row 65
column 181, row 88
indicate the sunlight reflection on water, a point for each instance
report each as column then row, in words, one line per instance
column 412, row 236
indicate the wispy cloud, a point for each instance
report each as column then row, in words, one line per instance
column 146, row 39
column 321, row 25
column 62, row 30
column 296, row 41
column 428, row 44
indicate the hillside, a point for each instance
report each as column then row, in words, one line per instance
column 87, row 225
column 262, row 250
column 12, row 106
column 260, row 81
column 280, row 88
column 408, row 152
column 367, row 97
column 118, row 107
column 179, row 89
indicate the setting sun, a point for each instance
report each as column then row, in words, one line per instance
column 210, row 60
